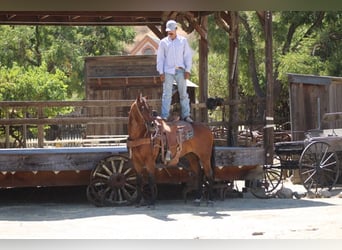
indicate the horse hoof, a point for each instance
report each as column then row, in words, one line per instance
column 141, row 203
column 210, row 203
column 152, row 207
column 197, row 202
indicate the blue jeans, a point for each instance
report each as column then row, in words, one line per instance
column 182, row 90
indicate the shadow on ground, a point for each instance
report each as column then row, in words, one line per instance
column 61, row 203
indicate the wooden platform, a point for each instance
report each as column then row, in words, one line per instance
column 67, row 166
column 55, row 159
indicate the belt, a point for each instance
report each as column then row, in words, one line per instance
column 180, row 68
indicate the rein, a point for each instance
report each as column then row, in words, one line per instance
column 138, row 142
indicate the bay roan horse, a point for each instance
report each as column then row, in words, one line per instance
column 144, row 150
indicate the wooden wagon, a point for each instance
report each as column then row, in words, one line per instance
column 97, row 156
column 317, row 158
column 108, row 172
column 313, row 156
column 100, row 162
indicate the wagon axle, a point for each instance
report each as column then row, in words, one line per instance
column 117, row 180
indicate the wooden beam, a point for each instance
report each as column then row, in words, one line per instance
column 269, row 113
column 222, row 20
column 203, row 68
column 232, row 137
column 156, row 31
column 64, row 120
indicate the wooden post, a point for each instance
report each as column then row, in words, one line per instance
column 203, row 68
column 40, row 129
column 7, row 130
column 233, row 78
column 269, row 112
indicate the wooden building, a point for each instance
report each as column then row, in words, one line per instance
column 122, row 78
column 119, row 78
column 310, row 98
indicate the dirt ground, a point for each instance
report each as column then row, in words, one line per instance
column 66, row 214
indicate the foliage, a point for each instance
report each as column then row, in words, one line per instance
column 301, row 62
column 33, row 83
column 47, row 63
column 304, row 42
column 217, row 74
column 61, row 48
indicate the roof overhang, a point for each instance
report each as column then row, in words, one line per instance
column 133, row 18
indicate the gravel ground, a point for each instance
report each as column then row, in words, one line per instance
column 66, row 214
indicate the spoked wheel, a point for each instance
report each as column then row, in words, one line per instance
column 318, row 166
column 113, row 182
column 265, row 188
column 95, row 192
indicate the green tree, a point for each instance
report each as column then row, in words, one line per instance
column 306, row 42
column 61, row 48
column 32, row 83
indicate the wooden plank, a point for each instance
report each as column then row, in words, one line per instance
column 55, row 159
column 232, row 173
column 44, row 179
column 64, row 150
column 328, row 117
column 334, row 141
column 239, row 156
column 309, row 79
column 85, row 103
column 122, row 66
column 64, row 120
column 85, row 158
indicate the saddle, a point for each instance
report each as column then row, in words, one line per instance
column 172, row 136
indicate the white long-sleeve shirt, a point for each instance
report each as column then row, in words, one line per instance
column 172, row 54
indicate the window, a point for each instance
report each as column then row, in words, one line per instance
column 148, row 51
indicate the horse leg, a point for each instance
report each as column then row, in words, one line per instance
column 199, row 187
column 152, row 187
column 208, row 171
column 198, row 175
column 210, row 200
column 139, row 189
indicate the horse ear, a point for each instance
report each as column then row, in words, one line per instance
column 139, row 97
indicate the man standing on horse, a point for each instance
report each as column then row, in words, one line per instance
column 174, row 62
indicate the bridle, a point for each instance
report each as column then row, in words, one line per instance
column 150, row 122
column 152, row 130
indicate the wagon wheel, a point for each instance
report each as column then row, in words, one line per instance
column 95, row 192
column 113, row 182
column 265, row 187
column 318, row 166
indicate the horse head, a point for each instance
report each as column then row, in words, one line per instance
column 143, row 108
column 140, row 109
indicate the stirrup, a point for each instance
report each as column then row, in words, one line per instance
column 188, row 119
column 168, row 156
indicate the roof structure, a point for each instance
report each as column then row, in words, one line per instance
column 154, row 20
column 81, row 17
column 148, row 45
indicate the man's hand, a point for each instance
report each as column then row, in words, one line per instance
column 186, row 75
column 162, row 77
